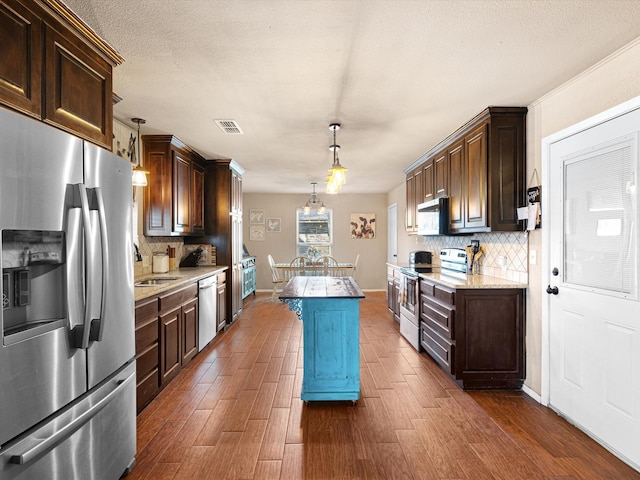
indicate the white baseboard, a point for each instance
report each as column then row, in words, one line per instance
column 532, row 394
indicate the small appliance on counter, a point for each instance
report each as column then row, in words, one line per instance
column 419, row 257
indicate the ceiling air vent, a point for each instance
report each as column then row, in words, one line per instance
column 229, row 127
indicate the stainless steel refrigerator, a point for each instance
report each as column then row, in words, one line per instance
column 67, row 367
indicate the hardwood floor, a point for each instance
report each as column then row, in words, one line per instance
column 235, row 413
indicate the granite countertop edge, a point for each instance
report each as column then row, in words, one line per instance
column 185, row 276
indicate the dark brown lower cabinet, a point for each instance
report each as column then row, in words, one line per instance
column 166, row 339
column 170, row 363
column 178, row 330
column 476, row 335
column 221, row 301
column 147, row 364
column 189, row 331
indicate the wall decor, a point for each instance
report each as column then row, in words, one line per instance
column 256, row 233
column 273, row 224
column 534, row 196
column 363, row 225
column 256, row 217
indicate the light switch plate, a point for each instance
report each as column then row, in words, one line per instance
column 533, row 257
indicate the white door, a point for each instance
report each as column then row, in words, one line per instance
column 594, row 315
column 392, row 233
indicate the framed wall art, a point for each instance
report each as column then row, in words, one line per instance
column 256, row 216
column 256, row 233
column 362, row 225
column 273, row 224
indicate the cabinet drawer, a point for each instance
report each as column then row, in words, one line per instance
column 438, row 347
column 439, row 292
column 438, row 316
column 427, row 288
column 145, row 310
column 444, row 295
column 146, row 389
column 175, row 299
column 146, row 362
column 221, row 277
column 146, row 334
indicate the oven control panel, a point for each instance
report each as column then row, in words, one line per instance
column 454, row 259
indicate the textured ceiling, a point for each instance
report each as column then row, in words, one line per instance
column 399, row 75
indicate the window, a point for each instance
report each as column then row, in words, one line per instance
column 314, row 230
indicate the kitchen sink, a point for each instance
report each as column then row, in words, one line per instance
column 152, row 282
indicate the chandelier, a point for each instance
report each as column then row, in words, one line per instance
column 314, row 204
column 337, row 173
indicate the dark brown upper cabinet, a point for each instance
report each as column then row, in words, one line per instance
column 481, row 168
column 174, row 199
column 54, row 68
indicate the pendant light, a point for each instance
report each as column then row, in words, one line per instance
column 337, row 173
column 314, row 204
column 139, row 178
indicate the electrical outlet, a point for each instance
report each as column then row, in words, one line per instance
column 502, row 261
column 533, row 257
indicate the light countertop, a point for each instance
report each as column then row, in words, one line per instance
column 179, row 278
column 465, row 281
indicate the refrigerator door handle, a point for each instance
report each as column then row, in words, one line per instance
column 39, row 446
column 97, row 203
column 81, row 332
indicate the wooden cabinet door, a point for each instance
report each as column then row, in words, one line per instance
column 441, row 175
column 197, row 198
column 410, row 222
column 78, row 97
column 428, row 181
column 189, row 331
column 221, row 306
column 181, row 193
column 455, row 158
column 170, row 341
column 20, row 58
column 419, row 195
column 475, row 177
column 157, row 195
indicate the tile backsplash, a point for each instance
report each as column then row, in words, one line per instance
column 511, row 246
column 149, row 245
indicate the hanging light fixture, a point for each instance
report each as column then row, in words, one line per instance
column 139, row 178
column 337, row 173
column 314, row 204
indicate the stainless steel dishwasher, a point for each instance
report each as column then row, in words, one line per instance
column 207, row 294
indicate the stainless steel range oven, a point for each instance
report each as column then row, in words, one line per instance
column 409, row 307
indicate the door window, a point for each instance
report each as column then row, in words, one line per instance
column 601, row 219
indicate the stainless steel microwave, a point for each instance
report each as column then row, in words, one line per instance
column 433, row 217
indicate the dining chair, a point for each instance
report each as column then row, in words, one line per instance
column 330, row 266
column 355, row 266
column 275, row 278
column 297, row 266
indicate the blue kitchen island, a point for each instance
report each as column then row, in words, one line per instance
column 329, row 308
